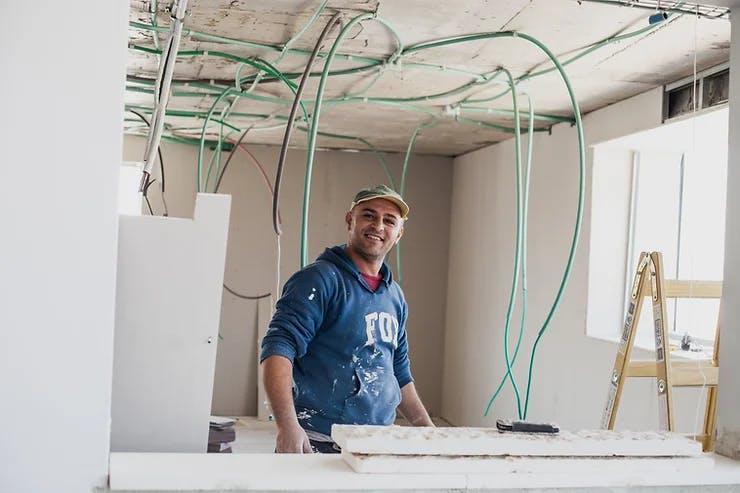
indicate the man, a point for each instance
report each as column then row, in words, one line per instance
column 336, row 350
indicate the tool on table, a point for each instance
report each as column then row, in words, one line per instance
column 525, row 427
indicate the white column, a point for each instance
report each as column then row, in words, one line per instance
column 728, row 410
column 61, row 110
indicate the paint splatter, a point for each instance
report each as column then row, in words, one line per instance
column 305, row 414
column 370, row 376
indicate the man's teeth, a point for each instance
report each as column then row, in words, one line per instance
column 375, row 237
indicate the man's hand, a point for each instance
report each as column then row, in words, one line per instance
column 292, row 440
column 278, row 379
column 412, row 408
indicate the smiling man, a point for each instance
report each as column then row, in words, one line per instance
column 336, row 350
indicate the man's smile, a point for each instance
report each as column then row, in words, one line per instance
column 374, row 237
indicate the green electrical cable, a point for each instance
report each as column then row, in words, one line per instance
column 504, row 112
column 203, row 138
column 586, row 51
column 402, row 187
column 518, row 241
column 216, row 158
column 371, row 147
column 224, row 93
column 290, row 42
column 249, row 44
column 582, row 169
column 314, row 127
column 577, row 229
column 522, row 323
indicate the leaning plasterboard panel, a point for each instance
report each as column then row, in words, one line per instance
column 168, row 306
column 129, row 197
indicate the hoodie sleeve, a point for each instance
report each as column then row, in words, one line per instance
column 401, row 363
column 298, row 314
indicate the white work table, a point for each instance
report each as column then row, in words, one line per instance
column 273, row 472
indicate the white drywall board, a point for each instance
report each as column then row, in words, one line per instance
column 170, row 276
column 329, row 472
column 447, row 464
column 59, row 241
column 728, row 396
column 402, row 440
column 260, row 472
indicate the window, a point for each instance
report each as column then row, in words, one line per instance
column 712, row 88
column 665, row 190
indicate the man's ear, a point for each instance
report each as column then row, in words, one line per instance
column 348, row 219
column 400, row 234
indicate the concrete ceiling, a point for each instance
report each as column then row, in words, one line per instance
column 604, row 76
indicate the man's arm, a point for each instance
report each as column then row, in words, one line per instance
column 412, row 408
column 278, row 380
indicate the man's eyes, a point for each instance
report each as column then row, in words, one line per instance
column 388, row 220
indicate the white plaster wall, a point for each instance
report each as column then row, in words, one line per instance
column 571, row 371
column 59, row 239
column 728, row 414
column 251, row 255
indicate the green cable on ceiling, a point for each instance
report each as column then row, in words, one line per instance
column 224, row 93
column 586, row 51
column 258, row 76
column 314, row 127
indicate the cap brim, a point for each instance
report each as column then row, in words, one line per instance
column 402, row 206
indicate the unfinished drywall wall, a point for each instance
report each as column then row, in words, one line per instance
column 728, row 400
column 251, row 256
column 59, row 241
column 168, row 307
column 572, row 370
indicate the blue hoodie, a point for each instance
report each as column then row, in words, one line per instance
column 347, row 343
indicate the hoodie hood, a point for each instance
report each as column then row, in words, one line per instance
column 337, row 255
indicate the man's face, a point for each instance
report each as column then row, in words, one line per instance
column 374, row 227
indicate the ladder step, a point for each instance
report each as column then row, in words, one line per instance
column 676, row 288
column 683, row 373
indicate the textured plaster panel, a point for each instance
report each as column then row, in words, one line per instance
column 397, row 440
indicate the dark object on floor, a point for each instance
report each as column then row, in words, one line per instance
column 525, row 427
column 220, row 435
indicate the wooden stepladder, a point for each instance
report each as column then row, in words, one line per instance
column 649, row 281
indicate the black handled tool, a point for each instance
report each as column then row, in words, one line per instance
column 525, row 427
